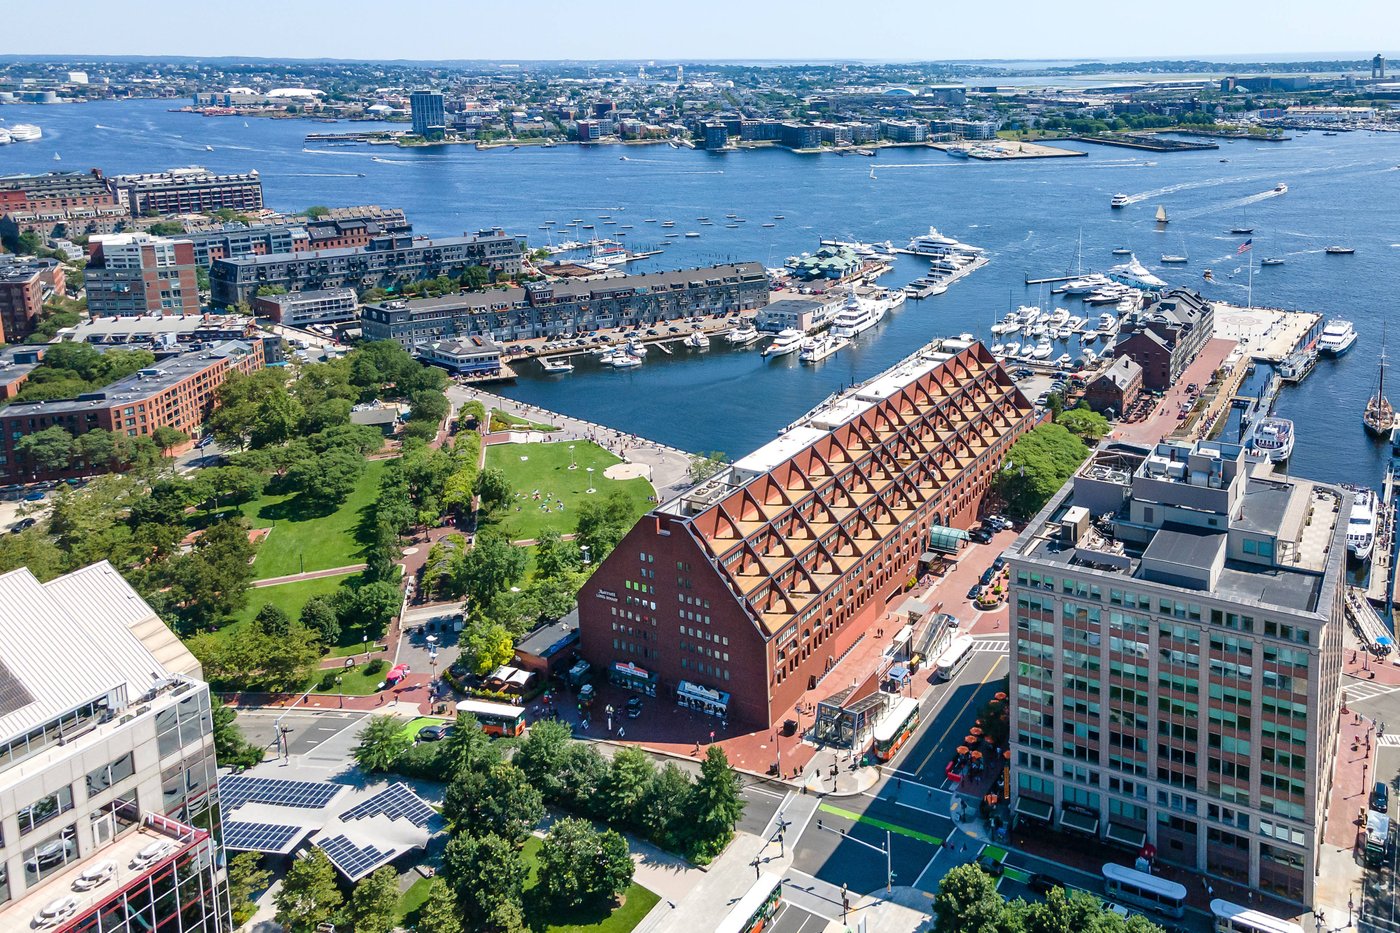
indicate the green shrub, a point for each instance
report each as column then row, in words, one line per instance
column 372, row 668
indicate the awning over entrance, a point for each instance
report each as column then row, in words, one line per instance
column 703, row 699
column 1125, row 835
column 945, row 540
column 1035, row 809
column 1079, row 822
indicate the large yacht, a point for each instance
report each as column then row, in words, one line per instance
column 1119, row 200
column 858, row 315
column 697, row 340
column 787, row 341
column 25, row 132
column 1272, row 439
column 1337, row 338
column 936, row 244
column 1361, row 526
column 822, row 346
column 742, row 336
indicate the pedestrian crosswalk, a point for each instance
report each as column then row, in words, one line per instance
column 999, row 645
column 1388, row 741
column 1357, row 691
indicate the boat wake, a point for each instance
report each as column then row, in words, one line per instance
column 1236, row 204
column 886, row 165
column 316, row 174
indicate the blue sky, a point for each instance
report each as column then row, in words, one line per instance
column 712, row 29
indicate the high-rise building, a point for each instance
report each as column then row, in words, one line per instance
column 429, row 115
column 107, row 770
column 1177, row 660
column 137, row 273
column 737, row 596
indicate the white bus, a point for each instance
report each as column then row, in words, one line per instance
column 752, row 912
column 957, row 655
column 1143, row 890
column 1232, row 918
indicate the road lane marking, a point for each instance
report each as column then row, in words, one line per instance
column 880, row 824
column 957, row 718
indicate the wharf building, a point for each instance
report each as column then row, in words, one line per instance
column 108, row 782
column 24, row 284
column 553, row 309
column 178, row 392
column 191, row 190
column 1176, row 661
column 384, row 261
column 740, row 594
column 1164, row 337
column 136, row 273
column 235, row 239
column 315, row 306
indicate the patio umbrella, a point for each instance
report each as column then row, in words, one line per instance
column 970, row 740
column 976, row 756
column 1000, row 698
column 962, row 749
column 976, row 730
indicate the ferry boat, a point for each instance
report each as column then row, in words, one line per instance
column 858, row 315
column 1272, row 439
column 1337, row 338
column 787, row 341
column 1361, row 525
column 1119, row 200
column 25, row 132
column 742, row 336
column 556, row 366
column 822, row 346
column 697, row 340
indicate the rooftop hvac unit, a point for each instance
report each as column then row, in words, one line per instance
column 1075, row 524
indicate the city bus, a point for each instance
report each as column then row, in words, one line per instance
column 953, row 660
column 753, row 911
column 495, row 718
column 1143, row 890
column 895, row 728
column 1232, row 918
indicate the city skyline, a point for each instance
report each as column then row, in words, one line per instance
column 902, row 31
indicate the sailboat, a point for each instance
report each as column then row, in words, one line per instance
column 1244, row 229
column 872, row 171
column 1180, row 259
column 1379, row 416
column 1161, row 214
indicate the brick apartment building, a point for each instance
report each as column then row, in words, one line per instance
column 136, row 273
column 191, row 190
column 235, row 239
column 64, row 203
column 1164, row 337
column 24, row 284
column 176, row 393
column 739, row 595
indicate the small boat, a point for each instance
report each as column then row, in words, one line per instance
column 691, row 234
column 1119, row 200
column 208, row 148
column 1161, row 214
column 626, row 361
column 559, row 366
column 697, row 340
column 1361, row 524
column 1339, row 250
column 1013, row 349
column 57, row 157
column 668, row 223
column 1208, row 275
column 1174, row 260
column 742, row 336
column 1280, row 188
column 770, row 225
column 821, row 347
column 1241, row 231
column 1122, row 251
column 649, row 220
column 777, row 216
column 1271, row 261
column 703, row 220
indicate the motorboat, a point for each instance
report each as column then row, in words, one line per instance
column 998, row 349
column 937, row 245
column 1361, row 525
column 1062, row 360
column 626, row 361
column 1085, row 284
column 697, row 340
column 741, row 336
column 1271, row 261
column 1013, row 348
column 556, row 367
column 858, row 315
column 1008, row 324
column 636, row 347
column 1241, row 231
column 821, row 347
column 1135, row 275
column 1272, row 439
column 1337, row 338
column 1173, row 260
column 691, row 234
column 1122, row 251
column 1042, row 350
column 25, row 132
column 1339, row 250
column 1119, row 200
column 1280, row 188
column 787, row 341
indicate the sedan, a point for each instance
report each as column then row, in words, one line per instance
column 991, row 866
column 988, row 575
column 1043, row 884
column 433, row 733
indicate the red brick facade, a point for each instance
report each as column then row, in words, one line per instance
column 756, row 585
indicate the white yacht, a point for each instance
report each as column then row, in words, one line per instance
column 787, row 341
column 1361, row 526
column 742, row 336
column 1337, row 338
column 636, row 347
column 1007, row 325
column 1042, row 350
column 1119, row 200
column 858, row 315
column 697, row 340
column 1135, row 275
column 1085, row 284
column 822, row 346
column 626, row 361
column 1272, row 439
column 559, row 366
column 1012, row 349
column 933, row 243
column 25, row 132
column 5, row 137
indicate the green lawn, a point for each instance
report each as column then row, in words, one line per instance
column 505, row 421
column 289, row 597
column 544, row 468
column 412, row 899
column 299, row 543
column 412, row 728
column 353, row 681
column 636, row 903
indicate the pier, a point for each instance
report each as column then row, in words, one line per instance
column 1148, row 143
column 1000, row 150
column 1053, row 278
column 1366, row 621
column 1378, row 586
column 1269, row 335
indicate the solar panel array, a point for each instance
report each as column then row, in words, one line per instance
column 398, row 802
column 354, row 861
column 238, row 789
column 259, row 837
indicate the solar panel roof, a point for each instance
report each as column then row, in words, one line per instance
column 398, row 802
column 260, row 837
column 354, row 861
column 237, row 789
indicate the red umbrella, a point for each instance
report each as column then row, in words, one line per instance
column 962, row 749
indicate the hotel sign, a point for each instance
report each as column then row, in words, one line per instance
column 609, row 595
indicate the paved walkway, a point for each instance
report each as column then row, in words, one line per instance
column 310, row 575
column 670, row 468
column 1165, row 416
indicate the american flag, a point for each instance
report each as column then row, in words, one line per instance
column 1245, row 247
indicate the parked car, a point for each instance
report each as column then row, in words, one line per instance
column 988, row 575
column 23, row 524
column 1380, row 798
column 1043, row 884
column 972, row 593
column 982, row 535
column 433, row 733
column 991, row 866
column 999, row 563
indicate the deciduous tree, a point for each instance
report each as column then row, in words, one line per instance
column 309, row 894
column 580, row 866
column 374, row 905
column 382, row 740
column 484, row 872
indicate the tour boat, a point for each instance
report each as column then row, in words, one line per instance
column 1337, row 338
column 1361, row 524
column 1272, row 439
column 1119, row 200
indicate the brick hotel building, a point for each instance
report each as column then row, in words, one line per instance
column 738, row 595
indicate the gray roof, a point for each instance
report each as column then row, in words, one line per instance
column 551, row 638
column 1185, row 547
column 1123, row 371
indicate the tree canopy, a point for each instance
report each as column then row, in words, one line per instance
column 1036, row 466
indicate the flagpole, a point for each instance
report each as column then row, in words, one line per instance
column 1250, row 257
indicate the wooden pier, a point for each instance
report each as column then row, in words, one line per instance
column 1053, row 278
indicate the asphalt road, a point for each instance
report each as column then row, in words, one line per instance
column 308, row 730
column 946, row 720
column 793, row 919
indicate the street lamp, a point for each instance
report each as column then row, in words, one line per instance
column 590, row 490
column 573, row 463
column 366, row 640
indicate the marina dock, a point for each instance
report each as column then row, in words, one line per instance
column 1379, row 586
column 1269, row 335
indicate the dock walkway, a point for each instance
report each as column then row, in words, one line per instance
column 1366, row 621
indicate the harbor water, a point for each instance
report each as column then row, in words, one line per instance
column 1030, row 216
